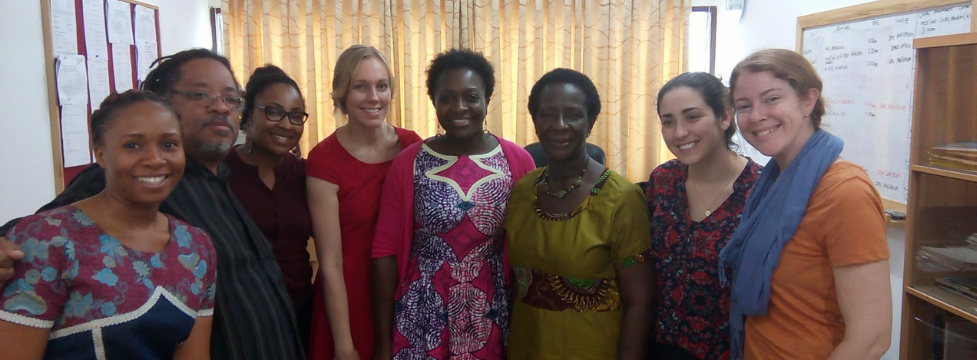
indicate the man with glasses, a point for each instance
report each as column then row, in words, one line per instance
column 254, row 318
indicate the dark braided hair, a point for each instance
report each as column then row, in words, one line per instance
column 461, row 59
column 260, row 80
column 115, row 102
column 167, row 70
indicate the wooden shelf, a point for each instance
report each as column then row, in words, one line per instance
column 956, row 304
column 955, row 174
column 942, row 201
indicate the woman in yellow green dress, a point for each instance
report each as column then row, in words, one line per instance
column 579, row 240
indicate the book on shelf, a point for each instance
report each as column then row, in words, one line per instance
column 957, row 291
column 958, row 257
column 959, row 155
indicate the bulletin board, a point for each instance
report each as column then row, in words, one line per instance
column 865, row 58
column 91, row 48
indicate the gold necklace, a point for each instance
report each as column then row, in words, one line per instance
column 710, row 206
column 559, row 194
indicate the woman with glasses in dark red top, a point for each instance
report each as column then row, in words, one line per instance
column 270, row 182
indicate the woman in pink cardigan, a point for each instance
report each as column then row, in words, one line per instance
column 439, row 277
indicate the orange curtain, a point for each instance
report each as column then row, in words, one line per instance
column 628, row 47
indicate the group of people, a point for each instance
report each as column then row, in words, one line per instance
column 179, row 244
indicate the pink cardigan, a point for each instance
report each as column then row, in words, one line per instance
column 395, row 223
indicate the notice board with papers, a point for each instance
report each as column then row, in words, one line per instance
column 92, row 48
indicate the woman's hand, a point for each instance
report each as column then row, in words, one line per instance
column 347, row 355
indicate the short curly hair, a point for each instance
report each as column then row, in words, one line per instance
column 461, row 59
column 572, row 77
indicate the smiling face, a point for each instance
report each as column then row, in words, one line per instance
column 208, row 131
column 689, row 127
column 459, row 100
column 562, row 122
column 142, row 153
column 771, row 115
column 276, row 137
column 369, row 93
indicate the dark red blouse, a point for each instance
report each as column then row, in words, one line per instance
column 693, row 309
column 283, row 216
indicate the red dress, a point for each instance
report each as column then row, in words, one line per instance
column 359, row 202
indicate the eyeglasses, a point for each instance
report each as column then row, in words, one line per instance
column 204, row 99
column 276, row 113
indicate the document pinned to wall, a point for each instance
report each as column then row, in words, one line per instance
column 64, row 27
column 119, row 21
column 71, row 78
column 98, row 81
column 145, row 37
column 121, row 67
column 93, row 14
column 74, row 134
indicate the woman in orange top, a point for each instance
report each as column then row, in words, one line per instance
column 809, row 261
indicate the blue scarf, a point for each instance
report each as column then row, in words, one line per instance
column 773, row 211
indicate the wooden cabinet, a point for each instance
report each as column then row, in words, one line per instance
column 939, row 317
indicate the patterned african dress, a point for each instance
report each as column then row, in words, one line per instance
column 454, row 303
column 568, row 302
column 101, row 299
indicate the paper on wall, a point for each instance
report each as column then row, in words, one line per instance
column 94, row 24
column 74, row 135
column 119, row 21
column 145, row 36
column 64, row 27
column 121, row 67
column 72, row 79
column 98, row 81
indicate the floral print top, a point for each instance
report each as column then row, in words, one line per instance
column 101, row 299
column 693, row 309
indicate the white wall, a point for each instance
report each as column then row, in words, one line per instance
column 27, row 175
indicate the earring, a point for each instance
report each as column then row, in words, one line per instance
column 247, row 146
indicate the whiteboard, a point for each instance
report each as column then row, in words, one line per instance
column 867, row 68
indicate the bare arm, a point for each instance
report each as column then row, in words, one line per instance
column 638, row 292
column 197, row 346
column 865, row 298
column 384, row 286
column 324, row 206
column 9, row 253
column 19, row 342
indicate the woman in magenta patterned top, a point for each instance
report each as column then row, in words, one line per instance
column 111, row 277
column 440, row 289
column 695, row 203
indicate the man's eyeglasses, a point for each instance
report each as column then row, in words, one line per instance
column 204, row 99
column 276, row 113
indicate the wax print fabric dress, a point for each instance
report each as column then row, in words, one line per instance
column 101, row 299
column 567, row 304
